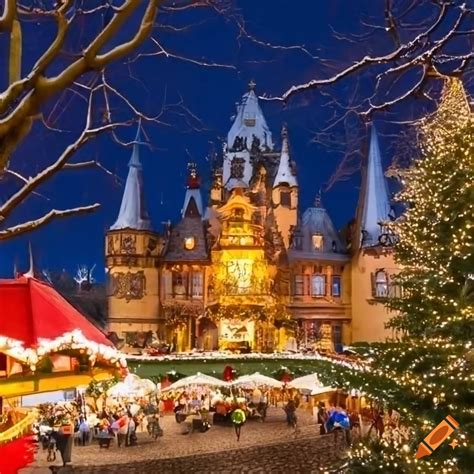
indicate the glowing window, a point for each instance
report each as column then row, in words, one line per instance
column 189, row 243
column 317, row 240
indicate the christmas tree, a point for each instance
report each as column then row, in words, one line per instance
column 427, row 373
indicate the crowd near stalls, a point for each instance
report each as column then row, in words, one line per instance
column 117, row 415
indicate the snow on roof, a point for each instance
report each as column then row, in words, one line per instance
column 285, row 174
column 133, row 213
column 250, row 121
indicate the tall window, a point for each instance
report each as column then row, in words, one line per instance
column 336, row 285
column 299, row 285
column 381, row 284
column 318, row 285
column 167, row 284
column 285, row 198
column 317, row 240
column 337, row 336
column 196, row 290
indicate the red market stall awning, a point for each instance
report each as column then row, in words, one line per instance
column 35, row 319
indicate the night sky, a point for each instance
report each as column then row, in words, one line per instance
column 209, row 94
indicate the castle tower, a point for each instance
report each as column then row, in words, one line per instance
column 372, row 265
column 184, row 272
column 132, row 253
column 248, row 135
column 285, row 192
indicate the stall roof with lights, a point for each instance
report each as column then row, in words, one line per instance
column 35, row 319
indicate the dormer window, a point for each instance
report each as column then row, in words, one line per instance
column 189, row 243
column 317, row 241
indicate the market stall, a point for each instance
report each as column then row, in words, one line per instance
column 46, row 345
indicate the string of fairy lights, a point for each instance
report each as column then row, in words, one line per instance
column 425, row 373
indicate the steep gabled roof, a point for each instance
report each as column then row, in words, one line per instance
column 250, row 122
column 34, row 316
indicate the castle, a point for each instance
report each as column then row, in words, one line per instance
column 248, row 272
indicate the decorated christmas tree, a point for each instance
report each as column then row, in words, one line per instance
column 426, row 372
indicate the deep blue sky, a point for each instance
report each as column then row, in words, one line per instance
column 210, row 93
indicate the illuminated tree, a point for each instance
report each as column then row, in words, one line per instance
column 427, row 372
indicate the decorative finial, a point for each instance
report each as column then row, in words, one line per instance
column 138, row 137
column 193, row 178
column 317, row 200
column 284, row 131
column 30, row 273
column 252, row 84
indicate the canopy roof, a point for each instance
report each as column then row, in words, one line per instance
column 198, row 379
column 257, row 380
column 132, row 386
column 35, row 319
column 309, row 383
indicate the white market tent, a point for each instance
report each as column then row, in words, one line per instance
column 132, row 386
column 257, row 380
column 198, row 379
column 309, row 383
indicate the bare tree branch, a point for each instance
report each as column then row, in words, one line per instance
column 51, row 215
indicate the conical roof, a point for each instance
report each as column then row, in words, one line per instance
column 133, row 213
column 376, row 201
column 285, row 174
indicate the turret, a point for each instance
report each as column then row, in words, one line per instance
column 133, row 213
column 285, row 192
column 132, row 254
column 374, row 197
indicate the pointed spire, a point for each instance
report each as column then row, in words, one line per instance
column 249, row 124
column 192, row 200
column 285, row 173
column 375, row 195
column 133, row 214
column 31, row 271
column 318, row 201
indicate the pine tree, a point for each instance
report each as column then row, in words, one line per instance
column 427, row 373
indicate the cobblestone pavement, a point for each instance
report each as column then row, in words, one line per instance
column 263, row 447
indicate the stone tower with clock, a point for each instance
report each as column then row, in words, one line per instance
column 132, row 260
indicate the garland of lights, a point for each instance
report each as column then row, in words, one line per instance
column 74, row 340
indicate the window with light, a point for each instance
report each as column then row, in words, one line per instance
column 317, row 240
column 381, row 284
column 318, row 285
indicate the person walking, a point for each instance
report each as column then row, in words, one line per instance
column 238, row 418
column 84, row 431
column 290, row 410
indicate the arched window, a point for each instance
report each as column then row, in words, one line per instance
column 381, row 284
column 318, row 285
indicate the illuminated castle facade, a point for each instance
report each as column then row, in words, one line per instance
column 250, row 271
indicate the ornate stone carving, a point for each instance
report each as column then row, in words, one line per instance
column 237, row 168
column 128, row 286
column 129, row 244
